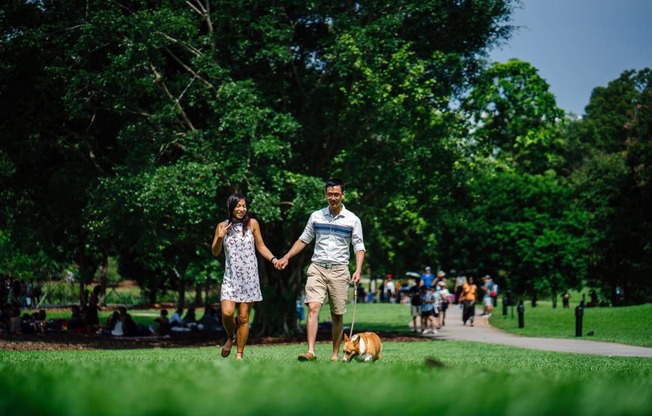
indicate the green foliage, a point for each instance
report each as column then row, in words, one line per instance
column 524, row 230
column 512, row 115
column 613, row 183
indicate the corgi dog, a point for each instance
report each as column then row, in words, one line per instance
column 365, row 346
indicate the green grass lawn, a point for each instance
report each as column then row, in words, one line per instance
column 627, row 325
column 470, row 378
column 473, row 379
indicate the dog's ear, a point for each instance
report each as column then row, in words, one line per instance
column 346, row 338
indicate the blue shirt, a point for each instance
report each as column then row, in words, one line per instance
column 427, row 279
column 427, row 303
column 333, row 235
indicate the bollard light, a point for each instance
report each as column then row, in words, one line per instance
column 579, row 313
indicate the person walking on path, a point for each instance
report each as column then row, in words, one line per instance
column 460, row 281
column 334, row 230
column 415, row 305
column 468, row 297
column 427, row 278
column 490, row 292
column 240, row 237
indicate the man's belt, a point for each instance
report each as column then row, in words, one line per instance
column 330, row 265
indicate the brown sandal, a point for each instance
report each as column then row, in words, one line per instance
column 239, row 355
column 225, row 353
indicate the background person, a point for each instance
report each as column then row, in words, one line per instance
column 460, row 280
column 240, row 237
column 468, row 298
column 415, row 304
column 490, row 293
column 427, row 278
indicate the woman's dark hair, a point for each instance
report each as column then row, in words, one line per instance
column 231, row 203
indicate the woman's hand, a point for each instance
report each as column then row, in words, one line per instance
column 222, row 229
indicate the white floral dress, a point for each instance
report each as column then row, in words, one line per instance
column 241, row 281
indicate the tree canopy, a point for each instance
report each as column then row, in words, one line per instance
column 126, row 124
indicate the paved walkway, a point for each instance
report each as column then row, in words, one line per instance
column 482, row 331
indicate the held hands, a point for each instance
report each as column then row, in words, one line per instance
column 282, row 263
column 275, row 262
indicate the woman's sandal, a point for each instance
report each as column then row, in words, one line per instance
column 238, row 355
column 225, row 353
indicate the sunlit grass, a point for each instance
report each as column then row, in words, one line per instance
column 271, row 381
column 628, row 324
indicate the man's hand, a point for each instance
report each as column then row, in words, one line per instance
column 282, row 263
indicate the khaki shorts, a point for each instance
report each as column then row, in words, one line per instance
column 332, row 282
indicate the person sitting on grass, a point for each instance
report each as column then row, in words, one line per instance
column 113, row 326
column 211, row 320
column 163, row 324
column 76, row 321
column 128, row 324
column 176, row 320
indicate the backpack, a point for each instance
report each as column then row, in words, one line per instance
column 494, row 291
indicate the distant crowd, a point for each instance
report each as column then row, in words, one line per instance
column 23, row 293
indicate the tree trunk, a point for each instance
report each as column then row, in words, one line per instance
column 198, row 296
column 181, row 302
column 104, row 278
column 207, row 290
column 276, row 314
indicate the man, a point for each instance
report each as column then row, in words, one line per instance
column 333, row 228
column 490, row 293
column 427, row 278
column 415, row 303
column 390, row 288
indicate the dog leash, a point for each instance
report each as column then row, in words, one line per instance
column 355, row 303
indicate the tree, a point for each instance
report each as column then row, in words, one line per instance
column 167, row 108
column 613, row 184
column 525, row 230
column 512, row 116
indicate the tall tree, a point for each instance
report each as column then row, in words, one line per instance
column 171, row 106
column 512, row 116
column 613, row 183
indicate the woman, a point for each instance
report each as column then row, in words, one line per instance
column 468, row 297
column 240, row 236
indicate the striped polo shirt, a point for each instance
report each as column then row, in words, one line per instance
column 333, row 236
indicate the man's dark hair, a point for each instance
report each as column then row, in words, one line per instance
column 334, row 182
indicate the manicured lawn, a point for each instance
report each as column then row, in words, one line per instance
column 627, row 325
column 472, row 379
column 413, row 378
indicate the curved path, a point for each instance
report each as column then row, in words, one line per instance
column 482, row 331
